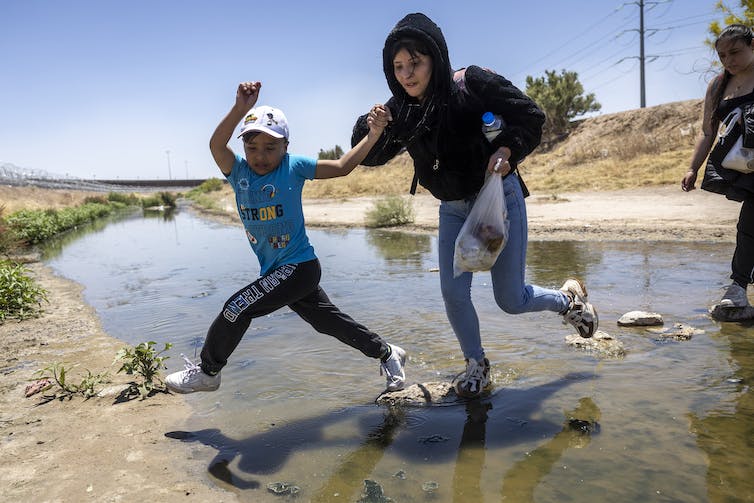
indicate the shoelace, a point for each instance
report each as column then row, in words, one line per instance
column 190, row 369
column 384, row 369
column 473, row 371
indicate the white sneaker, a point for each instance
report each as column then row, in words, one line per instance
column 192, row 379
column 734, row 296
column 581, row 314
column 475, row 379
column 393, row 369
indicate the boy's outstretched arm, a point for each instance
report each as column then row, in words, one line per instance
column 377, row 119
column 246, row 97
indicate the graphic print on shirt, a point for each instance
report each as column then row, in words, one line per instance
column 278, row 233
column 256, row 291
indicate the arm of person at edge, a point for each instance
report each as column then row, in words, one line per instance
column 705, row 140
column 246, row 97
column 377, row 119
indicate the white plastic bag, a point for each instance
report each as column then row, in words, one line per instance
column 485, row 231
column 738, row 157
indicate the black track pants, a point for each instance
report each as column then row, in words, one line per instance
column 295, row 286
column 743, row 258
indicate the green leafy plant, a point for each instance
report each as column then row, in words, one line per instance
column 36, row 226
column 9, row 243
column 145, row 361
column 20, row 296
column 59, row 374
column 390, row 211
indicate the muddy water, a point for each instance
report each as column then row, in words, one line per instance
column 672, row 421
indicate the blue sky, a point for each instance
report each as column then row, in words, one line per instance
column 104, row 89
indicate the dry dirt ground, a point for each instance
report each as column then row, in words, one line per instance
column 105, row 450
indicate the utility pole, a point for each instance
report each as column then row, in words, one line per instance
column 642, row 84
column 170, row 176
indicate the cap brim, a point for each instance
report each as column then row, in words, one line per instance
column 262, row 129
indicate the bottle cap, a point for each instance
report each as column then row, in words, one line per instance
column 488, row 118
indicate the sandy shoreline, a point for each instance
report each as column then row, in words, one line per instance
column 657, row 214
column 99, row 450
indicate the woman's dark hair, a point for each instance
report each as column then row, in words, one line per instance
column 412, row 45
column 733, row 33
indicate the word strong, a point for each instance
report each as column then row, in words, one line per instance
column 263, row 213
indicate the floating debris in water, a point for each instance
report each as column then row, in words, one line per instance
column 373, row 493
column 400, row 474
column 433, row 439
column 283, row 488
column 430, row 486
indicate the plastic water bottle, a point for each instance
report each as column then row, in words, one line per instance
column 492, row 124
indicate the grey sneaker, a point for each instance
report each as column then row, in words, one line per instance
column 734, row 296
column 192, row 379
column 393, row 369
column 476, row 377
column 580, row 313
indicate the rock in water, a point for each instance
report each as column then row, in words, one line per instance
column 679, row 332
column 601, row 344
column 640, row 319
column 731, row 313
column 420, row 394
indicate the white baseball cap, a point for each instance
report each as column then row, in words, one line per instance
column 267, row 120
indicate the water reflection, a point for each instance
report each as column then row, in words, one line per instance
column 399, row 246
column 394, row 429
column 720, row 433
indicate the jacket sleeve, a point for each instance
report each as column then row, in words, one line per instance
column 386, row 147
column 523, row 118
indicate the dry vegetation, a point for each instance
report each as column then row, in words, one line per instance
column 638, row 148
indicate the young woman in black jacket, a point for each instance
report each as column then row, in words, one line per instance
column 438, row 121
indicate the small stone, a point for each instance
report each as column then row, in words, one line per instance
column 418, row 394
column 731, row 313
column 430, row 486
column 679, row 332
column 640, row 319
column 283, row 488
column 601, row 344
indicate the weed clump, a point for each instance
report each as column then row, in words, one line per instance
column 390, row 211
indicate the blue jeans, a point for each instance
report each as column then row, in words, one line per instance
column 512, row 294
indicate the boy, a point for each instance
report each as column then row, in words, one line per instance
column 268, row 184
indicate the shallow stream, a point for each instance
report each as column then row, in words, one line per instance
column 671, row 421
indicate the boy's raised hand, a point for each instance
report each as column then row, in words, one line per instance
column 378, row 118
column 247, row 94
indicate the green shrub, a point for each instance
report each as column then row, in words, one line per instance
column 58, row 374
column 210, row 185
column 9, row 242
column 126, row 199
column 145, row 361
column 165, row 199
column 390, row 211
column 20, row 296
column 35, row 226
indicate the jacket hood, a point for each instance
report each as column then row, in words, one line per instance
column 419, row 27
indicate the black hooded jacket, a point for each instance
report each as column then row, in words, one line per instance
column 443, row 135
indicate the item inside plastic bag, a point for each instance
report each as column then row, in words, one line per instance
column 485, row 231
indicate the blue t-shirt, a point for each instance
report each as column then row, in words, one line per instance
column 270, row 209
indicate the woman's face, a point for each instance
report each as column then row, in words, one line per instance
column 413, row 73
column 264, row 152
column 735, row 55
